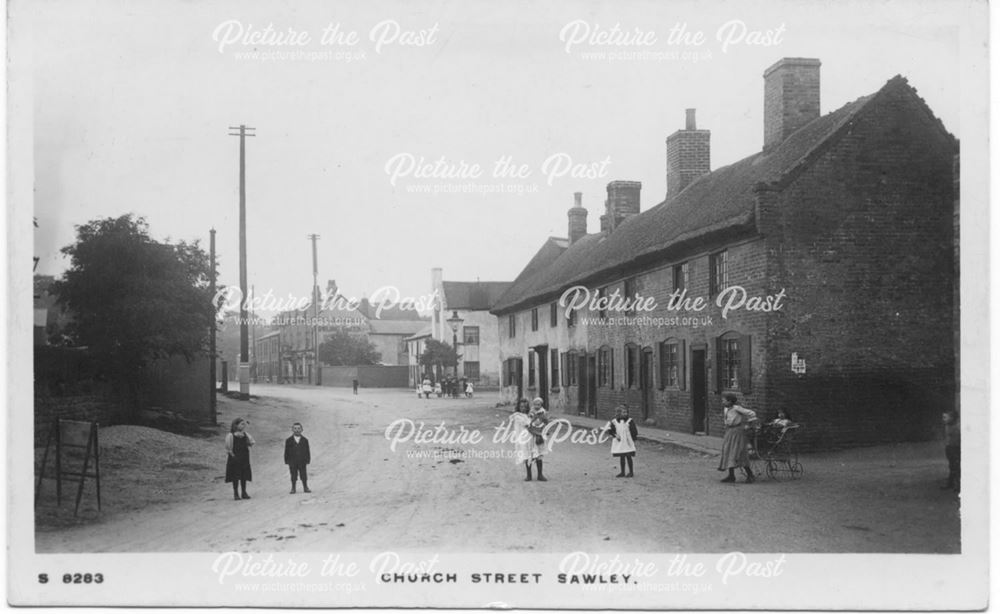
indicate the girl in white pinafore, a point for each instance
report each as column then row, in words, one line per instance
column 524, row 441
column 624, row 432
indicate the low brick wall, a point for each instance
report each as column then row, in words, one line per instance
column 368, row 376
column 88, row 408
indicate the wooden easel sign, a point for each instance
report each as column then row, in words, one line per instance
column 71, row 436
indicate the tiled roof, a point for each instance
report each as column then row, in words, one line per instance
column 473, row 295
column 420, row 334
column 389, row 311
column 720, row 201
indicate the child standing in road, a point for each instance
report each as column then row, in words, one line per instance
column 238, row 444
column 297, row 457
column 539, row 419
column 624, row 432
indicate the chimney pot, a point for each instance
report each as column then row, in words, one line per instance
column 688, row 155
column 577, row 219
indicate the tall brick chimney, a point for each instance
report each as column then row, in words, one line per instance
column 622, row 203
column 577, row 219
column 791, row 98
column 688, row 155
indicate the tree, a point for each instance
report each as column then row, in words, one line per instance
column 341, row 348
column 438, row 354
column 135, row 300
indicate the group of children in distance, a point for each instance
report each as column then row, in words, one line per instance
column 238, row 470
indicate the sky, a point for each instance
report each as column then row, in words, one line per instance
column 133, row 102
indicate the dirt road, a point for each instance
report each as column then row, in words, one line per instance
column 460, row 497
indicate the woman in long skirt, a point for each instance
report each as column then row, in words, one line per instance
column 734, row 442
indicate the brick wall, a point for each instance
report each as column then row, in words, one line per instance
column 671, row 406
column 863, row 243
column 561, row 337
column 88, row 408
column 368, row 376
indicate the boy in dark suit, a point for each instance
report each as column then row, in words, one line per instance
column 297, row 457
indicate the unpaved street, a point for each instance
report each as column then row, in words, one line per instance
column 460, row 497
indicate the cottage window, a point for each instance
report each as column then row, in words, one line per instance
column 733, row 359
column 731, row 363
column 673, row 354
column 718, row 273
column 534, row 319
column 512, row 325
column 680, row 276
column 605, row 368
column 571, row 319
column 602, row 301
column 554, row 315
column 470, row 335
column 630, row 293
column 531, row 369
column 571, row 368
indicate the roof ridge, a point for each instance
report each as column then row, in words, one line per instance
column 719, row 202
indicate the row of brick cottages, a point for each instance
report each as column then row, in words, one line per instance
column 846, row 221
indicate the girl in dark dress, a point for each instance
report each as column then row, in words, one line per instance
column 238, row 443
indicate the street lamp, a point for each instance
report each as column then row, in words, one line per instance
column 455, row 321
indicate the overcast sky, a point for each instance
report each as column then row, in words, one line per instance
column 133, row 101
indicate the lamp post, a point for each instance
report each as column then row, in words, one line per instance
column 455, row 321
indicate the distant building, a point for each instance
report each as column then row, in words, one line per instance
column 285, row 350
column 477, row 337
column 841, row 231
column 416, row 344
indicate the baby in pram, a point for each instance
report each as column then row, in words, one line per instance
column 777, row 428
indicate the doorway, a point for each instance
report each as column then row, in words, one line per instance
column 646, row 381
column 592, row 386
column 542, row 351
column 699, row 392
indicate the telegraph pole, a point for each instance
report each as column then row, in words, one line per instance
column 212, row 418
column 244, row 372
column 253, row 337
column 315, row 334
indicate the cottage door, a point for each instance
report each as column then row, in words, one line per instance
column 646, row 381
column 592, row 386
column 543, row 374
column 699, row 391
column 582, row 388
